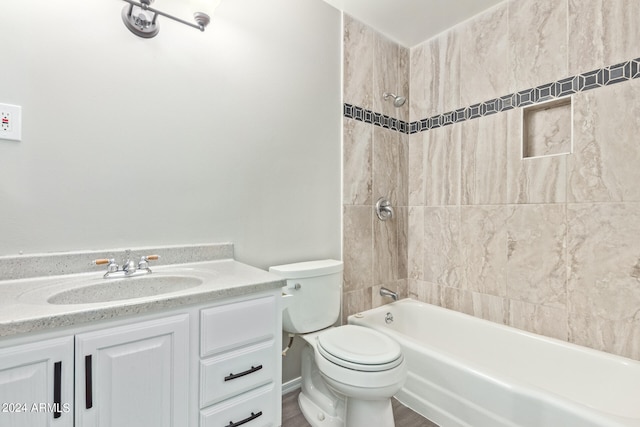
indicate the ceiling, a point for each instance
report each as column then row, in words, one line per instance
column 410, row 22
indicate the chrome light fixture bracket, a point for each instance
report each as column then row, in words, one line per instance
column 141, row 19
column 202, row 19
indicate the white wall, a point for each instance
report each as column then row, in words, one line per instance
column 228, row 135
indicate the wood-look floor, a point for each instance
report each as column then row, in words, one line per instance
column 404, row 417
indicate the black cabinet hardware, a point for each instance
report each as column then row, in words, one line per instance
column 88, row 386
column 246, row 420
column 57, row 389
column 242, row 374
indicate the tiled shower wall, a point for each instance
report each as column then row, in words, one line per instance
column 548, row 244
column 374, row 166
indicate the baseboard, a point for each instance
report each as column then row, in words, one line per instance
column 291, row 385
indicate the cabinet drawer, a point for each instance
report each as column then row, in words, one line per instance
column 229, row 326
column 254, row 409
column 236, row 372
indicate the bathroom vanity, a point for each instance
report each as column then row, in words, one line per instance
column 206, row 354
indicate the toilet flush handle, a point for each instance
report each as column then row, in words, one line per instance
column 297, row 286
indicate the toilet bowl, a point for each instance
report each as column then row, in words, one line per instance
column 349, row 373
column 364, row 366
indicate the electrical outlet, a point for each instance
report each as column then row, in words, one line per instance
column 5, row 118
column 10, row 122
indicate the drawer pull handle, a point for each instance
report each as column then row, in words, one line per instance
column 246, row 420
column 242, row 374
column 57, row 389
column 88, row 383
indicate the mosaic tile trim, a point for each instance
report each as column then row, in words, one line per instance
column 368, row 116
column 582, row 82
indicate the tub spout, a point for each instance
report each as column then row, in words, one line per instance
column 384, row 292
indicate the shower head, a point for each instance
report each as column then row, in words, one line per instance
column 398, row 101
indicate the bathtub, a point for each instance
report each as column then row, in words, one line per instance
column 465, row 371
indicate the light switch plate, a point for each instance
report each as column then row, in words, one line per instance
column 10, row 122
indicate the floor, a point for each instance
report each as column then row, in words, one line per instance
column 404, row 417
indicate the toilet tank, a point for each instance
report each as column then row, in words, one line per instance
column 315, row 290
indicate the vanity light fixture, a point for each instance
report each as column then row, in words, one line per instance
column 140, row 18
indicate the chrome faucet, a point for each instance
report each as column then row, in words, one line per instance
column 384, row 292
column 129, row 267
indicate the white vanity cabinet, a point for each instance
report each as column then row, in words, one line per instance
column 134, row 375
column 240, row 346
column 36, row 384
column 210, row 364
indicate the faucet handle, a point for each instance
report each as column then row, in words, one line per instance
column 144, row 262
column 112, row 267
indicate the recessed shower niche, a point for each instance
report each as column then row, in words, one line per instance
column 547, row 128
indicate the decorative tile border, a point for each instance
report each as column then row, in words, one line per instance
column 582, row 82
column 368, row 116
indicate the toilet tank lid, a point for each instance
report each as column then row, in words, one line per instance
column 307, row 269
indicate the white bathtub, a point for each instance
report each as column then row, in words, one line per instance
column 465, row 371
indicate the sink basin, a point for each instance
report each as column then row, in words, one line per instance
column 105, row 290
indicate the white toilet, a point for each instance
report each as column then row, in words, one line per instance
column 349, row 373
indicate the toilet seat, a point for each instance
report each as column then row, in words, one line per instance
column 359, row 348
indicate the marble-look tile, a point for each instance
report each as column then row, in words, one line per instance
column 539, row 180
column 386, row 62
column 357, row 162
column 355, row 302
column 398, row 286
column 604, row 165
column 385, row 250
column 532, row 180
column 442, row 166
column 413, row 286
column 537, row 42
column 621, row 337
column 357, row 247
column 418, row 96
column 424, row 291
column 539, row 319
column 483, row 247
column 415, row 243
column 457, row 299
column 386, row 165
column 402, row 194
column 483, row 56
column 416, row 170
column 484, row 160
column 358, row 63
column 536, row 256
column 602, row 32
column 442, row 262
column 402, row 221
column 604, row 290
column 490, row 307
column 442, row 74
column 402, row 113
column 435, row 76
column 547, row 129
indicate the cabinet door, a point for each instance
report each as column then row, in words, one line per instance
column 135, row 375
column 36, row 384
